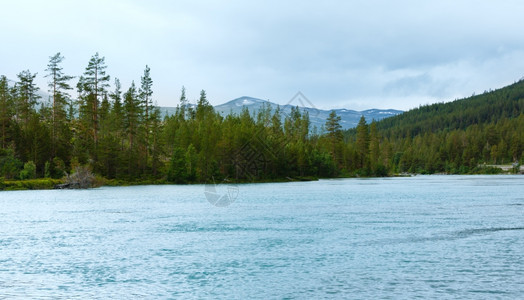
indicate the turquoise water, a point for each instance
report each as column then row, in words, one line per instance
column 425, row 236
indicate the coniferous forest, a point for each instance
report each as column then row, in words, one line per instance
column 115, row 130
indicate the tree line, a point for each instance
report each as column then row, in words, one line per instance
column 121, row 134
column 460, row 136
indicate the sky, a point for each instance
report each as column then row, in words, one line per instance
column 340, row 54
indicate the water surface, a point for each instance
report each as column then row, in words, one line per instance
column 425, row 236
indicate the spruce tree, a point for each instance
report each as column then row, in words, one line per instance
column 183, row 104
column 374, row 146
column 203, row 107
column 27, row 96
column 334, row 134
column 155, row 143
column 131, row 114
column 362, row 143
column 117, row 113
column 145, row 93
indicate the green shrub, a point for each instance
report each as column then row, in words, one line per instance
column 29, row 171
column 9, row 165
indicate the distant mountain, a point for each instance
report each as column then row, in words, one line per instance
column 349, row 118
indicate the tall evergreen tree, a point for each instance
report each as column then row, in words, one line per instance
column 27, row 96
column 146, row 93
column 362, row 143
column 334, row 134
column 132, row 124
column 203, row 107
column 58, row 87
column 132, row 112
column 117, row 113
column 92, row 87
column 6, row 112
column 183, row 104
column 155, row 141
column 374, row 145
column 177, row 171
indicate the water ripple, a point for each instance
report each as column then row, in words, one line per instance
column 433, row 237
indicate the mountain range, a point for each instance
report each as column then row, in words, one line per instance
column 349, row 118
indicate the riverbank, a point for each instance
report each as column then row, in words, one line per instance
column 506, row 168
column 48, row 183
column 29, row 184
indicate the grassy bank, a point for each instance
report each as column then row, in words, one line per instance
column 119, row 182
column 48, row 183
column 29, row 184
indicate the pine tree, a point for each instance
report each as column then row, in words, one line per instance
column 58, row 87
column 105, row 122
column 132, row 114
column 334, row 134
column 362, row 143
column 177, row 172
column 191, row 163
column 278, row 142
column 203, row 107
column 145, row 94
column 6, row 112
column 27, row 96
column 374, row 145
column 117, row 113
column 183, row 105
column 92, row 86
column 276, row 123
column 156, row 145
column 132, row 125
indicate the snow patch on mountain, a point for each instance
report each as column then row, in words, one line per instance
column 349, row 118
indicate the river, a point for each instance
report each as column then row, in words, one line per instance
column 422, row 236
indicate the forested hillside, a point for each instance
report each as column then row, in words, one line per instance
column 119, row 134
column 458, row 136
column 490, row 107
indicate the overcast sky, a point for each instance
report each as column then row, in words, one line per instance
column 340, row 54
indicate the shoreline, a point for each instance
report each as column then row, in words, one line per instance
column 50, row 184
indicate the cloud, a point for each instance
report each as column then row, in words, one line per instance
column 353, row 54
